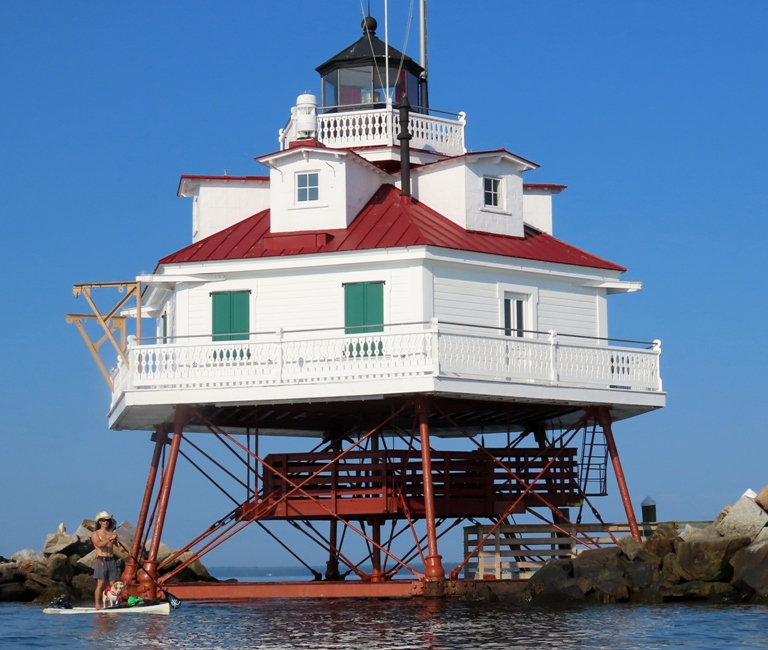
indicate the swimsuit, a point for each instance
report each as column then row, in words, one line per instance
column 106, row 568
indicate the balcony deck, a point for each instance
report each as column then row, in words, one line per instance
column 373, row 127
column 440, row 359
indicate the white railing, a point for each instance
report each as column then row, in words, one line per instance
column 379, row 127
column 413, row 350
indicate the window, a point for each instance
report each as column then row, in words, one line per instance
column 364, row 313
column 307, row 187
column 492, row 192
column 514, row 315
column 164, row 324
column 231, row 315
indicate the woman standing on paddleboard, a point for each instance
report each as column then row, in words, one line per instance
column 105, row 570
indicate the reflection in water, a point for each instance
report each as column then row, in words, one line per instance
column 392, row 625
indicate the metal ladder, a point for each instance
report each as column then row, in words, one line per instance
column 593, row 468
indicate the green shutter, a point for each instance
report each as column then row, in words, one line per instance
column 239, row 318
column 374, row 306
column 354, row 308
column 364, row 307
column 230, row 316
column 363, row 313
column 221, row 309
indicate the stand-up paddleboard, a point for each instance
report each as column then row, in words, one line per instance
column 159, row 608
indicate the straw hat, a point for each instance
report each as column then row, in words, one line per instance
column 105, row 515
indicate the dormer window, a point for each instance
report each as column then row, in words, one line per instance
column 307, row 187
column 492, row 192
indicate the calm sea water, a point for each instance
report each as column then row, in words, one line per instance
column 392, row 625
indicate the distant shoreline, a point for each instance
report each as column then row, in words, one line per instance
column 225, row 572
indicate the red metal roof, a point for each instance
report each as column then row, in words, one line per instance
column 387, row 221
column 223, row 178
column 544, row 186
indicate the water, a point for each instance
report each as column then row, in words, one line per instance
column 391, row 625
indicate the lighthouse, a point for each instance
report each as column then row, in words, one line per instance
column 377, row 289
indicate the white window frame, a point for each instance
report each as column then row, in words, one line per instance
column 498, row 193
column 529, row 297
column 308, row 187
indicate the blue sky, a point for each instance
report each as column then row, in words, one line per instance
column 652, row 113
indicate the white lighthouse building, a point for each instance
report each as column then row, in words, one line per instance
column 379, row 277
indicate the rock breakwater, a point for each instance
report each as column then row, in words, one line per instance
column 725, row 562
column 65, row 566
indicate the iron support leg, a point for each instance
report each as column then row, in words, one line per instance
column 131, row 566
column 150, row 566
column 604, row 418
column 433, row 566
column 332, row 566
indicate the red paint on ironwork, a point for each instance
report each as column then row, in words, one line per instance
column 545, row 186
column 433, row 566
column 131, row 566
column 604, row 418
column 385, row 222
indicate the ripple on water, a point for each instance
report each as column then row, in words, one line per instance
column 392, row 625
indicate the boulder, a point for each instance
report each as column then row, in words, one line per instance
column 164, row 552
column 692, row 533
column 83, row 533
column 630, row 546
column 697, row 589
column 126, row 532
column 761, row 536
column 761, row 498
column 30, row 566
column 591, row 564
column 59, row 568
column 86, row 562
column 39, row 584
column 57, row 543
column 650, row 558
column 610, row 588
column 662, row 541
column 745, row 518
column 722, row 515
column 567, row 592
column 89, row 525
column 550, row 577
column 639, row 574
column 192, row 573
column 16, row 592
column 750, row 567
column 708, row 559
column 51, row 593
column 28, row 554
column 672, row 571
column 9, row 572
column 83, row 586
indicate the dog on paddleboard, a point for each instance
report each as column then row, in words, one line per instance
column 111, row 597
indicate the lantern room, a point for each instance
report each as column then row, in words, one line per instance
column 360, row 76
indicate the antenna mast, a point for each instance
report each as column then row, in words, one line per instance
column 386, row 50
column 423, row 53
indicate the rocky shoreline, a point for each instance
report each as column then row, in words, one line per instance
column 65, row 567
column 725, row 562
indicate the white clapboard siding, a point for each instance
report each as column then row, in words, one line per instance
column 308, row 300
column 466, row 300
column 573, row 312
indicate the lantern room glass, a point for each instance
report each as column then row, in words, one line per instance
column 365, row 87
